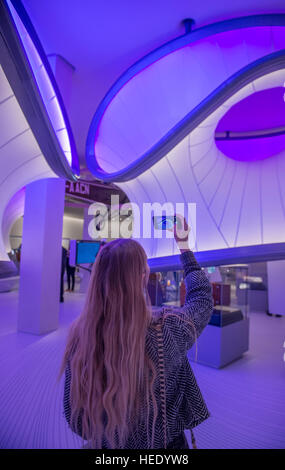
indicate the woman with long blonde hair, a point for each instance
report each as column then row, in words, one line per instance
column 112, row 395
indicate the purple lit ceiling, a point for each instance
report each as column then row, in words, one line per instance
column 238, row 203
column 250, row 150
column 103, row 39
column 43, row 78
column 35, row 142
column 261, row 111
column 158, row 97
column 109, row 38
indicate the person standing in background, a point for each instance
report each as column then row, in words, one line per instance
column 154, row 289
column 63, row 266
column 70, row 270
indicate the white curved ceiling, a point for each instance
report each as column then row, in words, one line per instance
column 21, row 158
column 237, row 203
column 35, row 137
column 157, row 98
column 102, row 39
column 100, row 60
column 45, row 86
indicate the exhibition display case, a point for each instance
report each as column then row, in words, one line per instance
column 230, row 296
column 226, row 337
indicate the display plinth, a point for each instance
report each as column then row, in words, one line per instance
column 218, row 347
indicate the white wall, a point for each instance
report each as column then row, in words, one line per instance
column 16, row 233
column 72, row 229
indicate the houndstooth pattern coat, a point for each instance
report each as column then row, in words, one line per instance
column 181, row 397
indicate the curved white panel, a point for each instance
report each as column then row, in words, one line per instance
column 238, row 203
column 149, row 105
column 35, row 136
column 45, row 86
column 21, row 159
column 159, row 99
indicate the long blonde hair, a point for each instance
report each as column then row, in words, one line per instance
column 110, row 367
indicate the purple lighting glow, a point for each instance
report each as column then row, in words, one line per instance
column 154, row 133
column 263, row 110
column 252, row 149
column 143, row 107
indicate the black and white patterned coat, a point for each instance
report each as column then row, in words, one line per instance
column 185, row 406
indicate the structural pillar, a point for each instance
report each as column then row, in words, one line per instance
column 41, row 252
column 276, row 287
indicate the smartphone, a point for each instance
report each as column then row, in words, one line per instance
column 164, row 222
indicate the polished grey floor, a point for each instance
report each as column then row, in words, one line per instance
column 246, row 399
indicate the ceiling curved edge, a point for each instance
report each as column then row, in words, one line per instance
column 29, row 148
column 239, row 204
column 29, row 96
column 256, row 69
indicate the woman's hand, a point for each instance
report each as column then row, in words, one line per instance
column 181, row 233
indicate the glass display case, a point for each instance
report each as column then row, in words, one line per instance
column 229, row 286
column 226, row 337
column 256, row 286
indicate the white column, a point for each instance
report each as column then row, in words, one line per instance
column 276, row 287
column 85, row 275
column 39, row 291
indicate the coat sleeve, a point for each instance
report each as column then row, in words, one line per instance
column 188, row 322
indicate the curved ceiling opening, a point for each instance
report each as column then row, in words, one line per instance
column 254, row 128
